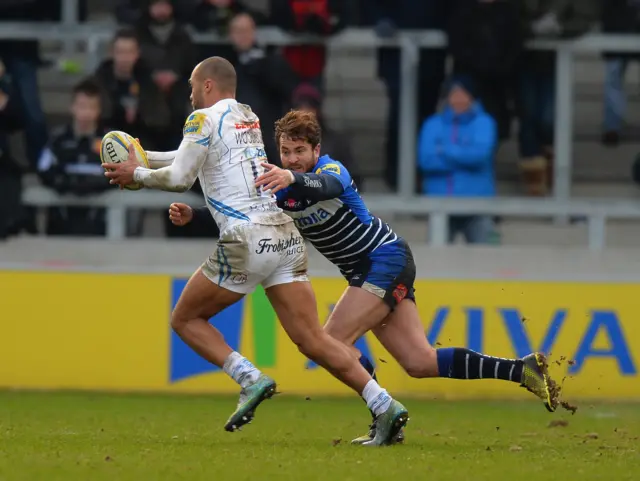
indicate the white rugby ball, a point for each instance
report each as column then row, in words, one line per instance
column 115, row 149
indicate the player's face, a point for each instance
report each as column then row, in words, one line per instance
column 298, row 155
column 197, row 93
column 125, row 54
column 85, row 109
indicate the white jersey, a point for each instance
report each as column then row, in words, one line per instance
column 229, row 174
column 222, row 145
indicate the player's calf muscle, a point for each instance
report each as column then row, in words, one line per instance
column 296, row 308
column 423, row 365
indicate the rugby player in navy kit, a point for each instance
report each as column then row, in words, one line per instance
column 319, row 194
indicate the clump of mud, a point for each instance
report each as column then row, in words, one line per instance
column 555, row 390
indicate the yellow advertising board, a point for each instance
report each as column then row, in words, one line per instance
column 111, row 331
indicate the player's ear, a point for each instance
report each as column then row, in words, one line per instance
column 316, row 151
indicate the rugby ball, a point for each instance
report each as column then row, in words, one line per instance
column 115, row 149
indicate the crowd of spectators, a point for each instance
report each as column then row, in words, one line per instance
column 464, row 115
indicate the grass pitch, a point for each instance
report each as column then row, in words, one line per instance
column 96, row 437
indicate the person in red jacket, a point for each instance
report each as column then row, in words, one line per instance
column 315, row 17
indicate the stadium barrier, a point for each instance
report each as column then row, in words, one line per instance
column 596, row 211
column 409, row 42
column 110, row 332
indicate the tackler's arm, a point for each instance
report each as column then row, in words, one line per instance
column 317, row 187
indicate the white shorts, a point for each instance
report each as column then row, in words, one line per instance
column 252, row 254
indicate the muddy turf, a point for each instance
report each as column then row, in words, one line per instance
column 87, row 436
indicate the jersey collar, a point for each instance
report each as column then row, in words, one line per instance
column 225, row 103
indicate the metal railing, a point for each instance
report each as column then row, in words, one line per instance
column 597, row 212
column 116, row 202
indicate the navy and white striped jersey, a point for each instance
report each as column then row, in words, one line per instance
column 335, row 220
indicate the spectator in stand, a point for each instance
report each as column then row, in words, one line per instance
column 334, row 143
column 166, row 48
column 456, row 150
column 536, row 84
column 486, row 42
column 216, row 15
column 131, row 99
column 389, row 16
column 265, row 80
column 22, row 60
column 11, row 210
column 618, row 16
column 70, row 164
column 131, row 12
column 314, row 17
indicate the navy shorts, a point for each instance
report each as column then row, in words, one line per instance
column 389, row 273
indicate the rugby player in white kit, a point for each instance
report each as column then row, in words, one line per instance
column 259, row 244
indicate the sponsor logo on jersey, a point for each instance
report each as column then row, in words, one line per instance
column 314, row 218
column 292, row 245
column 255, row 153
column 248, row 125
column 335, row 168
column 292, row 204
column 194, row 124
column 313, row 183
column 265, row 207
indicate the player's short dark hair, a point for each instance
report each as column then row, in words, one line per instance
column 89, row 87
column 299, row 125
column 125, row 33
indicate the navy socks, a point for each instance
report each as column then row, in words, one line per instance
column 366, row 363
column 461, row 363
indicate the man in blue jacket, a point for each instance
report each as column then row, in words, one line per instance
column 456, row 151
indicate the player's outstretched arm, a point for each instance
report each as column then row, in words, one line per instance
column 329, row 181
column 158, row 160
column 317, row 187
column 180, row 175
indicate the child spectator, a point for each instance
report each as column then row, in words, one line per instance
column 70, row 164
